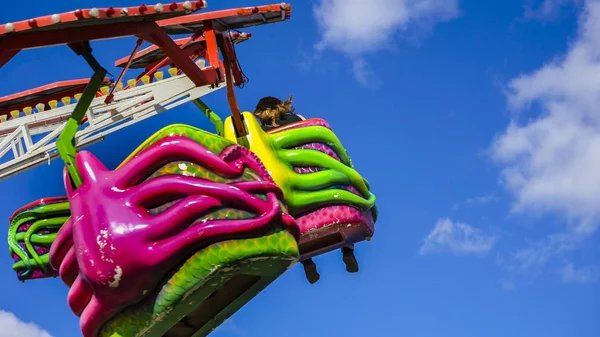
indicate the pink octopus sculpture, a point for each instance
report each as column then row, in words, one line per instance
column 131, row 226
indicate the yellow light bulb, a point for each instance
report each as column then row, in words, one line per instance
column 40, row 107
column 53, row 104
column 66, row 100
column 159, row 75
column 15, row 114
column 27, row 110
column 145, row 79
column 78, row 97
column 105, row 90
column 119, row 86
column 131, row 83
column 173, row 71
column 2, row 118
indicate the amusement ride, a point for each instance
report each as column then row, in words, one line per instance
column 193, row 224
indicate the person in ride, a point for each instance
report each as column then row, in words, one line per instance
column 273, row 112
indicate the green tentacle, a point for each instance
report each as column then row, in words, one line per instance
column 301, row 200
column 45, row 260
column 318, row 134
column 36, row 226
column 38, row 239
column 28, row 254
column 315, row 158
column 319, row 180
column 13, row 244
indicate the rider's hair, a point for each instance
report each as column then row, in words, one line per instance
column 270, row 109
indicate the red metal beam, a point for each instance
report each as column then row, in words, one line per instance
column 72, row 87
column 160, row 38
column 150, row 72
column 187, row 45
column 224, row 13
column 39, row 90
column 64, row 36
column 212, row 52
column 188, row 50
column 236, row 115
column 110, row 96
column 7, row 55
column 186, row 42
column 120, row 62
column 100, row 17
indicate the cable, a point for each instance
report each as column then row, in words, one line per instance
column 246, row 78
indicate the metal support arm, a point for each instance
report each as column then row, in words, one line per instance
column 66, row 141
column 212, row 116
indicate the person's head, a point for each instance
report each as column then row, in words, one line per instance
column 270, row 109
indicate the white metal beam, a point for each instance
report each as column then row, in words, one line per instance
column 128, row 107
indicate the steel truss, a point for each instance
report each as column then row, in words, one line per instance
column 128, row 107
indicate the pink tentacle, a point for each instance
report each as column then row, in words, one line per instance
column 259, row 187
column 215, row 228
column 90, row 167
column 180, row 216
column 164, row 152
column 240, row 156
column 79, row 296
column 69, row 269
column 93, row 317
column 167, row 188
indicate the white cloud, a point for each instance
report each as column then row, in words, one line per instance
column 547, row 8
column 457, row 238
column 11, row 326
column 551, row 162
column 358, row 27
column 508, row 285
column 484, row 199
column 570, row 274
column 536, row 9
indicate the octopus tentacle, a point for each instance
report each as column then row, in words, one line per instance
column 180, row 216
column 197, row 232
column 146, row 162
column 316, row 158
column 319, row 134
column 93, row 313
column 179, row 186
column 79, row 295
column 31, row 231
column 69, row 269
column 38, row 239
column 20, row 264
column 37, row 225
column 301, row 200
column 259, row 187
column 90, row 168
column 15, row 247
column 317, row 181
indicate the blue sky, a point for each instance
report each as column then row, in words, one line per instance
column 476, row 123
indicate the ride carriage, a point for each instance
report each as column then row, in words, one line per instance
column 193, row 224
